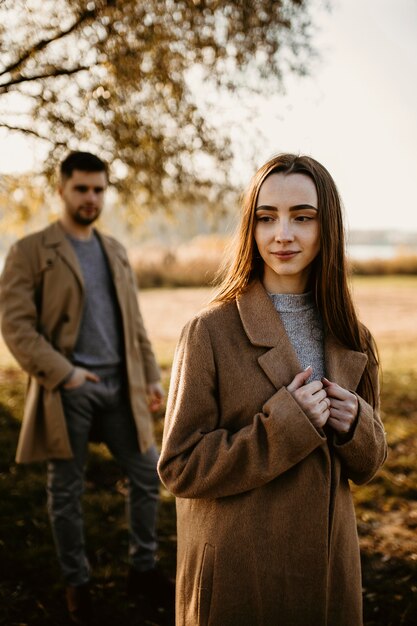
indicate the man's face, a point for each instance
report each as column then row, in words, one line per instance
column 83, row 196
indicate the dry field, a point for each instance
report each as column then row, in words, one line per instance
column 387, row 305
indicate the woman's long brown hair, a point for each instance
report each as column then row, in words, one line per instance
column 329, row 273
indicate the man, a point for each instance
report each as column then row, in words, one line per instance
column 71, row 319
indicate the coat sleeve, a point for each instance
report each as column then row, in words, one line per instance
column 200, row 457
column 365, row 452
column 20, row 323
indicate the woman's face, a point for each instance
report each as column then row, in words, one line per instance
column 287, row 231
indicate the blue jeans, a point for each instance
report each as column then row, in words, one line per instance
column 107, row 403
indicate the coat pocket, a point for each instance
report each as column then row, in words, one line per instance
column 69, row 391
column 205, row 584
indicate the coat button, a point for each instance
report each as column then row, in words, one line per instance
column 49, row 262
column 41, row 374
column 65, row 318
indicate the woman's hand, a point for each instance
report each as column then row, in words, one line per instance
column 311, row 397
column 343, row 407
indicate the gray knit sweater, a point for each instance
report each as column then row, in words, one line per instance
column 99, row 341
column 302, row 322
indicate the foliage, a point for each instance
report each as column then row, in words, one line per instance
column 23, row 202
column 118, row 77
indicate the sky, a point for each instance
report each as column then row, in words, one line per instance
column 356, row 113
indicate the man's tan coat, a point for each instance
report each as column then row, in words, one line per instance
column 41, row 301
column 266, row 525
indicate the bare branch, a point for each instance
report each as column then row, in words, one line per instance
column 30, row 131
column 41, row 45
column 58, row 72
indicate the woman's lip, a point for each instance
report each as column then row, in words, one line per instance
column 286, row 254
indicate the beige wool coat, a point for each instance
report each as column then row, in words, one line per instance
column 41, row 300
column 266, row 525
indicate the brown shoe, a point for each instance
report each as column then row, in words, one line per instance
column 79, row 604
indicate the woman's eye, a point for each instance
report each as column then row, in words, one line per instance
column 264, row 218
column 303, row 218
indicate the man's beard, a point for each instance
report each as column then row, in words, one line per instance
column 85, row 220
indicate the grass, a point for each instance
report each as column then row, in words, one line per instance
column 30, row 587
column 386, row 510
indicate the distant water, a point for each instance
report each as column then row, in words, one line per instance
column 362, row 252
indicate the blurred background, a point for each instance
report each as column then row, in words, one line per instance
column 186, row 99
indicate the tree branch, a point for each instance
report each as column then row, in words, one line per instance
column 30, row 131
column 41, row 45
column 4, row 88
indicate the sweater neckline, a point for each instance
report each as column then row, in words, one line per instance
column 292, row 302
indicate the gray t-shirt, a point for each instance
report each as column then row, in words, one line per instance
column 304, row 327
column 99, row 341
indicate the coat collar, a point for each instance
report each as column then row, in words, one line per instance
column 264, row 328
column 55, row 238
column 54, row 235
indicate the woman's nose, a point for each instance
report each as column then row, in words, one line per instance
column 283, row 231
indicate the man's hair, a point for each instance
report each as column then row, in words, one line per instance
column 83, row 161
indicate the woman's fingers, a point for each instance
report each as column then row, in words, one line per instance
column 340, row 425
column 326, row 402
column 334, row 390
column 343, row 407
column 300, row 379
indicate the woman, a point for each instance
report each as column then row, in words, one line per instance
column 273, row 406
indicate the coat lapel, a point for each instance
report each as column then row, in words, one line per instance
column 113, row 256
column 119, row 265
column 55, row 238
column 264, row 327
column 118, row 262
column 343, row 366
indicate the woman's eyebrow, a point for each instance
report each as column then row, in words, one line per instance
column 296, row 207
